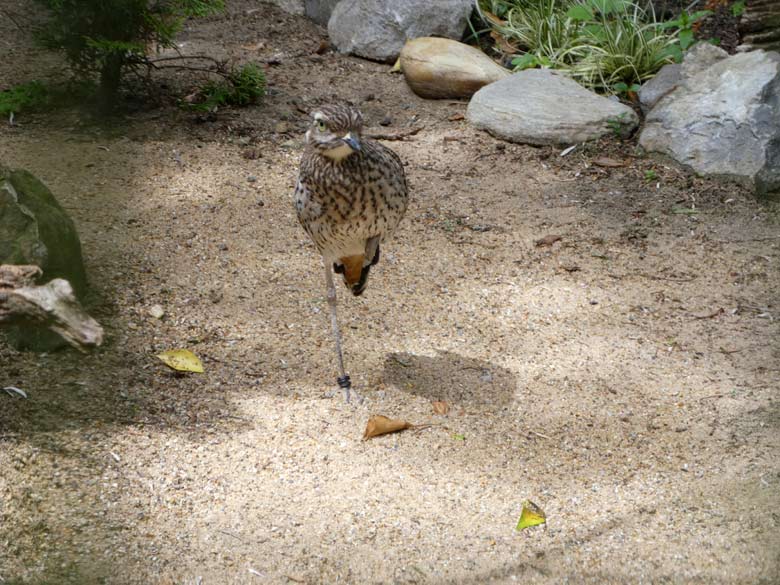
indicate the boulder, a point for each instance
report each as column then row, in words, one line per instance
column 699, row 57
column 443, row 68
column 320, row 10
column 723, row 119
column 377, row 29
column 35, row 229
column 664, row 81
column 540, row 106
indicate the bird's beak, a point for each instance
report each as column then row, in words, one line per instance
column 353, row 142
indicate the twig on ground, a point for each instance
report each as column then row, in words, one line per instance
column 539, row 435
column 397, row 135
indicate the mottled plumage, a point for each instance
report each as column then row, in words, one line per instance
column 348, row 201
column 350, row 196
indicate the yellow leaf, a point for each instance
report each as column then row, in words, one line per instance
column 532, row 515
column 182, row 360
column 381, row 425
column 397, row 67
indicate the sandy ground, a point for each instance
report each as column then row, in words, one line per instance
column 625, row 378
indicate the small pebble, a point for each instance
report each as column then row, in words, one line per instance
column 156, row 311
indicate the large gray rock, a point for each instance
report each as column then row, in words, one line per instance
column 443, row 68
column 378, row 29
column 320, row 10
column 540, row 106
column 666, row 80
column 699, row 57
column 724, row 120
column 35, row 229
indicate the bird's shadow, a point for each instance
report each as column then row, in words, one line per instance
column 451, row 377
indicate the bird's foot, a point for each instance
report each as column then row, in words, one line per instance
column 345, row 384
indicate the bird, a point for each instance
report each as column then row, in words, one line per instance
column 350, row 196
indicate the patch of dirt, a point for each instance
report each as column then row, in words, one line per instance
column 623, row 377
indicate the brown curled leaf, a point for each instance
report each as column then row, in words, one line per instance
column 381, row 425
column 547, row 240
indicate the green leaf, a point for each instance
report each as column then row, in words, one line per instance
column 686, row 38
column 532, row 515
column 579, row 12
column 527, row 61
column 674, row 52
column 738, row 8
column 698, row 15
column 458, row 437
column 607, row 7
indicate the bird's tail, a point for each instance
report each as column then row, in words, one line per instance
column 355, row 271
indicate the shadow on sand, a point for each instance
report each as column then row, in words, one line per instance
column 451, row 377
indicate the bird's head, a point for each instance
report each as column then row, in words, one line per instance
column 335, row 131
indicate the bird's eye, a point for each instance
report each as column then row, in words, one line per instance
column 321, row 126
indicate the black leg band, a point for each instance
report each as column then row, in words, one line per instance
column 344, row 382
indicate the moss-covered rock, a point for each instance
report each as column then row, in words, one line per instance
column 35, row 229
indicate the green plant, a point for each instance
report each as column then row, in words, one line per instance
column 530, row 61
column 239, row 88
column 26, row 96
column 542, row 28
column 685, row 35
column 104, row 38
column 607, row 45
column 622, row 88
column 620, row 44
column 738, row 8
column 650, row 175
column 616, row 125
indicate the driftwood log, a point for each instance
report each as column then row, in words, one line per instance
column 52, row 305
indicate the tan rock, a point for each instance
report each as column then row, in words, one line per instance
column 442, row 68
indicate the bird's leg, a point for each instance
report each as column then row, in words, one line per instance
column 343, row 379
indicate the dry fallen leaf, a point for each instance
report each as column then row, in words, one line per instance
column 440, row 407
column 493, row 18
column 456, row 117
column 608, row 162
column 504, row 45
column 547, row 240
column 532, row 515
column 381, row 425
column 182, row 360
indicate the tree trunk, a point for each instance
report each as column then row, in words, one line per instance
column 110, row 77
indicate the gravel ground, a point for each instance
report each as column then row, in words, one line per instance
column 623, row 377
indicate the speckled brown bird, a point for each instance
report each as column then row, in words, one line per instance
column 350, row 197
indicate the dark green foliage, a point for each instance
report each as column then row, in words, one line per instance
column 104, row 37
column 26, row 96
column 239, row 88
